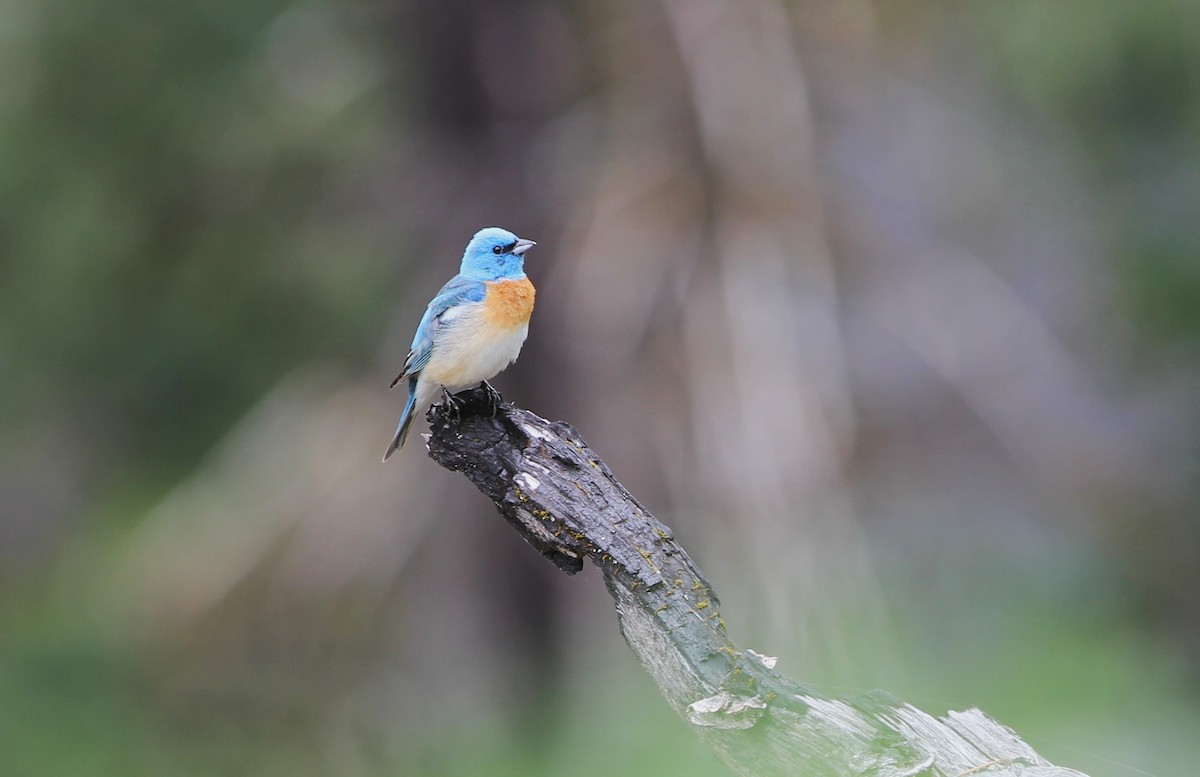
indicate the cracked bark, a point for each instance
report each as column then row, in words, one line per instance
column 566, row 503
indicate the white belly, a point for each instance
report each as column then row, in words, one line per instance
column 466, row 354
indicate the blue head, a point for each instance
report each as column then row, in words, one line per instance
column 495, row 253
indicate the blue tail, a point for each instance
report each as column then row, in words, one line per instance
column 406, row 419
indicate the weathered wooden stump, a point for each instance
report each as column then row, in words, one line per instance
column 566, row 502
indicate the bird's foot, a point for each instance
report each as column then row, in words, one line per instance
column 453, row 404
column 494, row 399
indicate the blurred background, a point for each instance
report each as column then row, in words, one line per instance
column 890, row 309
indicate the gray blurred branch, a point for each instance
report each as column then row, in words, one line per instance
column 566, row 503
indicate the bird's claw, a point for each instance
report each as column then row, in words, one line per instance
column 493, row 397
column 453, row 404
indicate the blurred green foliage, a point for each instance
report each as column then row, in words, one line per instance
column 1121, row 79
column 167, row 211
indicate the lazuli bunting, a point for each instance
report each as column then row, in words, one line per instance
column 473, row 328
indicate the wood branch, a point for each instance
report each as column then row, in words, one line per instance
column 565, row 502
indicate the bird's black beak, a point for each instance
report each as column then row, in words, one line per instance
column 522, row 246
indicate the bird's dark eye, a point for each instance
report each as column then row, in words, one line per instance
column 497, row 249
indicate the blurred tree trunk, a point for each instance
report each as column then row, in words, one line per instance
column 480, row 81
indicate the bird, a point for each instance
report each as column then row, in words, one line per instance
column 472, row 329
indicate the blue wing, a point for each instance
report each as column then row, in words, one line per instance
column 457, row 291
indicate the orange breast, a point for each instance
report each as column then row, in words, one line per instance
column 508, row 304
